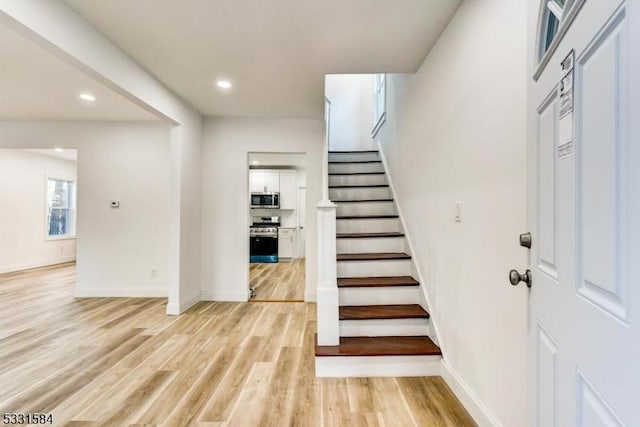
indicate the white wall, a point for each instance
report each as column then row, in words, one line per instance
column 225, row 197
column 23, row 242
column 116, row 248
column 56, row 27
column 455, row 131
column 351, row 97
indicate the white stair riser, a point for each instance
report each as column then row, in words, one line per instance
column 353, row 157
column 368, row 225
column 355, row 167
column 384, row 328
column 377, row 268
column 365, row 208
column 354, row 246
column 359, row 193
column 379, row 296
column 357, row 180
column 377, row 366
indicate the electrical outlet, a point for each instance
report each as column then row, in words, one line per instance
column 61, row 248
column 154, row 273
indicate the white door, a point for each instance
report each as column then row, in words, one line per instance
column 302, row 215
column 584, row 214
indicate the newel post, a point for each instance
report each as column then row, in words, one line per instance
column 327, row 295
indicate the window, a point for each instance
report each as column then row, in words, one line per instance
column 379, row 100
column 60, row 208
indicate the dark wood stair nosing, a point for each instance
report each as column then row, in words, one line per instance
column 369, row 235
column 363, row 201
column 382, row 312
column 360, row 186
column 376, row 282
column 354, row 161
column 353, row 152
column 367, row 217
column 380, row 346
column 373, row 256
column 356, row 173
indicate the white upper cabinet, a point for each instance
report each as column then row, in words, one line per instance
column 264, row 181
column 272, row 182
column 288, row 194
column 256, row 182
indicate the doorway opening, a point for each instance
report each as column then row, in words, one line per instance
column 277, row 197
column 38, row 188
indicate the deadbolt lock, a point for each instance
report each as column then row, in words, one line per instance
column 525, row 240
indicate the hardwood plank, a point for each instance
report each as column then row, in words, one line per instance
column 380, row 346
column 373, row 256
column 278, row 282
column 372, row 282
column 122, row 361
column 399, row 311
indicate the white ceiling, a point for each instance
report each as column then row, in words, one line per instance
column 276, row 52
column 37, row 85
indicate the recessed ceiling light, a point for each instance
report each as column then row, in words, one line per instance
column 58, row 150
column 87, row 97
column 224, row 84
column 255, row 162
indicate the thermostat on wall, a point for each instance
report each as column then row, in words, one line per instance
column 114, row 204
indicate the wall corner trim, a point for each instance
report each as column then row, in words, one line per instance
column 478, row 411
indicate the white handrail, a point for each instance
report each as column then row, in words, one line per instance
column 325, row 151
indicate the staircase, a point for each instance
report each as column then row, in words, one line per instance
column 383, row 326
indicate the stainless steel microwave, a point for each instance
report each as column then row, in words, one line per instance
column 265, row 200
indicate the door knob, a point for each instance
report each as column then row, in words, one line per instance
column 525, row 240
column 515, row 277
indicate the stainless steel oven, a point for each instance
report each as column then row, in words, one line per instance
column 265, row 200
column 263, row 238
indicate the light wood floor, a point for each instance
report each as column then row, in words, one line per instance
column 281, row 281
column 110, row 361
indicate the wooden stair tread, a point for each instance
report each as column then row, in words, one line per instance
column 367, row 216
column 375, row 282
column 355, row 161
column 367, row 312
column 380, row 346
column 356, row 173
column 353, row 152
column 367, row 235
column 360, row 186
column 362, row 200
column 374, row 256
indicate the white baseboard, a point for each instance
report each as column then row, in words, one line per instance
column 309, row 296
column 122, row 293
column 377, row 366
column 468, row 398
column 225, row 296
column 29, row 266
column 175, row 309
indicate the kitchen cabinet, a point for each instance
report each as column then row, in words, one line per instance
column 288, row 193
column 286, row 243
column 264, row 181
